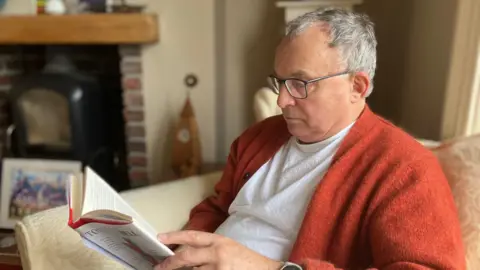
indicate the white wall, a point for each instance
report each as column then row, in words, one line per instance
column 186, row 46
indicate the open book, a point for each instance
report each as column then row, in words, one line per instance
column 109, row 225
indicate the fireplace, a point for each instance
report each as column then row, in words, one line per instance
column 76, row 103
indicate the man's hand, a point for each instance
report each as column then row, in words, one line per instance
column 206, row 251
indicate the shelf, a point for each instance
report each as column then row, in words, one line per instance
column 79, row 29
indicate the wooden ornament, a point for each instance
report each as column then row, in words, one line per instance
column 186, row 151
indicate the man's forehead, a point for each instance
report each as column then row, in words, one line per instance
column 293, row 73
column 295, row 62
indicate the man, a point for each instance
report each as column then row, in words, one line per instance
column 329, row 184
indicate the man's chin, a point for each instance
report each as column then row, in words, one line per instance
column 292, row 119
column 295, row 127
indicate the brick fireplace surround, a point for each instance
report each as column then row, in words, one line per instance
column 113, row 62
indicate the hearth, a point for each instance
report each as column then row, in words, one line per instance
column 71, row 112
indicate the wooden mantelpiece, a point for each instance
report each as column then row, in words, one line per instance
column 79, row 29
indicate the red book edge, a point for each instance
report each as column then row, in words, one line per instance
column 82, row 221
column 75, row 224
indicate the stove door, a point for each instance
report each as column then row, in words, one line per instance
column 47, row 121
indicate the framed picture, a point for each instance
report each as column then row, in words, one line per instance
column 18, row 7
column 32, row 185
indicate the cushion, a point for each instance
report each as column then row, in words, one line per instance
column 460, row 160
column 265, row 104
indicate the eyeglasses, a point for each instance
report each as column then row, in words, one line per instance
column 298, row 88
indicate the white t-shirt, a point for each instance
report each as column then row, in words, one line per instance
column 267, row 213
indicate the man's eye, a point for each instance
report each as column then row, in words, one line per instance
column 296, row 84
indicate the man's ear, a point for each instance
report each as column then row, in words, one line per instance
column 361, row 82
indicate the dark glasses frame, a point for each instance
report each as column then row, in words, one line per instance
column 276, row 89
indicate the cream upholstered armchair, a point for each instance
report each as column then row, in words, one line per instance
column 265, row 104
column 45, row 242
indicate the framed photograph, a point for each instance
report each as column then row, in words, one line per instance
column 32, row 185
column 18, row 7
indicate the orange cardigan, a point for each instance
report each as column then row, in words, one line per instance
column 384, row 203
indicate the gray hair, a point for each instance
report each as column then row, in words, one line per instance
column 352, row 33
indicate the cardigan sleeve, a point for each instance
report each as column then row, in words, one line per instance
column 213, row 211
column 414, row 225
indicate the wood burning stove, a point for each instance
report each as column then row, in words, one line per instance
column 61, row 114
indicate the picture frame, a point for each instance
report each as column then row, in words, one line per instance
column 29, row 186
column 18, row 7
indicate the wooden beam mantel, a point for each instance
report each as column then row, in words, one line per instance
column 79, row 29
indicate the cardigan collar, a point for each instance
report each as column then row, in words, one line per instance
column 362, row 126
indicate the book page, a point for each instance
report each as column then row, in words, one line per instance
column 99, row 195
column 98, row 249
column 127, row 243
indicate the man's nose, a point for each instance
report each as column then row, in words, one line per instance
column 284, row 98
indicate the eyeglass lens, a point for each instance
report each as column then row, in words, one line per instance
column 296, row 88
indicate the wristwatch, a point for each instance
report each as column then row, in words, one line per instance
column 291, row 266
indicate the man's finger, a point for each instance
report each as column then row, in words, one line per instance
column 189, row 238
column 187, row 257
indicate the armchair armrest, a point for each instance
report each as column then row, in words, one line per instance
column 166, row 206
column 46, row 242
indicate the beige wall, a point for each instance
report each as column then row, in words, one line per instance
column 252, row 30
column 229, row 44
column 428, row 67
column 415, row 40
column 461, row 115
column 186, row 46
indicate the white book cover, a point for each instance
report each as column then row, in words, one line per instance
column 109, row 225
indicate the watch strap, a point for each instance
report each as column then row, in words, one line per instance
column 291, row 266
